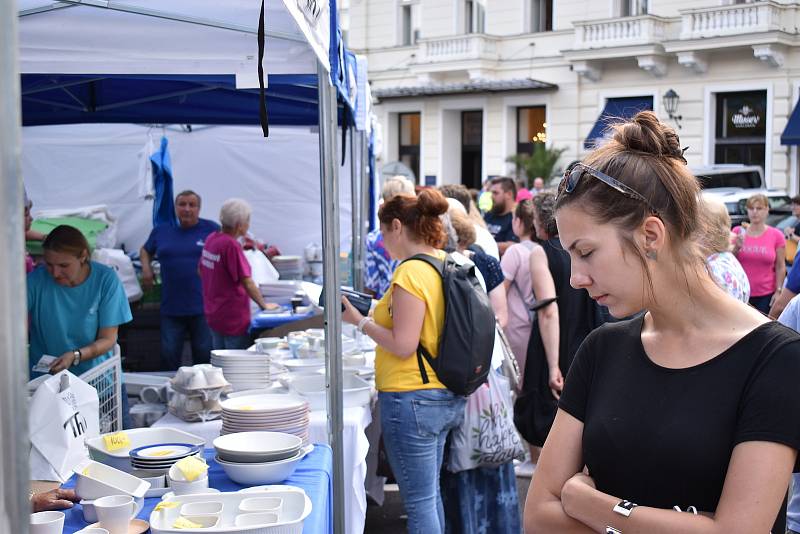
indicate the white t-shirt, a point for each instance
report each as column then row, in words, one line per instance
column 485, row 240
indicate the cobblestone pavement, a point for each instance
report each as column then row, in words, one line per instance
column 391, row 519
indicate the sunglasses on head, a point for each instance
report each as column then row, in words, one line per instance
column 575, row 171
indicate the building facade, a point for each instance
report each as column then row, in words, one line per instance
column 461, row 85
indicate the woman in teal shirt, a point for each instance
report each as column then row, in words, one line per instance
column 75, row 305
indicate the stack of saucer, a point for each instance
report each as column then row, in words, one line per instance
column 266, row 412
column 161, row 456
column 288, row 267
column 243, row 369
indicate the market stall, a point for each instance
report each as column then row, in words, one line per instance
column 183, row 38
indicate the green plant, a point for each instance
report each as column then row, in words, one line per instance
column 542, row 163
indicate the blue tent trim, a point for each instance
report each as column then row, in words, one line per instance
column 615, row 110
column 169, row 99
column 791, row 134
column 163, row 204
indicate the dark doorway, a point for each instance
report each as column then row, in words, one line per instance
column 471, row 148
column 409, row 141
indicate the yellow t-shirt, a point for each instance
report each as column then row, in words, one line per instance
column 393, row 373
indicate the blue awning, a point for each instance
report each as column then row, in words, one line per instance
column 616, row 110
column 791, row 134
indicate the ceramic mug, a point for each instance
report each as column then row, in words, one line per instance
column 115, row 512
column 47, row 523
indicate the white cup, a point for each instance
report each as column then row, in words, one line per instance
column 214, row 376
column 198, row 380
column 183, row 375
column 115, row 512
column 47, row 523
column 151, row 395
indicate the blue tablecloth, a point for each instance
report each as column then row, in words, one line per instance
column 314, row 475
column 263, row 320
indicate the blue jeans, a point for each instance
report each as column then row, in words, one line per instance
column 221, row 341
column 173, row 331
column 415, row 425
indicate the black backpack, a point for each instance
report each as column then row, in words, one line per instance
column 467, row 340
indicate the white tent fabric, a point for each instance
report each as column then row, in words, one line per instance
column 77, row 165
column 95, row 40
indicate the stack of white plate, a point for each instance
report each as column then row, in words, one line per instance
column 255, row 447
column 161, row 456
column 288, row 267
column 244, row 369
column 266, row 412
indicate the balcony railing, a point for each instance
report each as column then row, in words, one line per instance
column 644, row 29
column 459, row 48
column 737, row 19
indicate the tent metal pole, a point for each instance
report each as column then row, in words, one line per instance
column 329, row 186
column 14, row 442
column 357, row 246
column 366, row 201
column 136, row 10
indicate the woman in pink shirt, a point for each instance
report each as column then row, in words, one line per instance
column 761, row 249
column 519, row 292
column 226, row 278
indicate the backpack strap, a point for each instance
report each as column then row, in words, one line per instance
column 437, row 264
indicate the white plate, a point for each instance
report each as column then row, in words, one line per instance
column 269, row 403
column 257, row 446
column 166, row 451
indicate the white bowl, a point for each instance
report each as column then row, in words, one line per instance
column 250, row 474
column 355, row 391
column 257, row 447
column 155, row 478
column 187, row 488
column 139, row 437
column 95, row 480
column 264, row 344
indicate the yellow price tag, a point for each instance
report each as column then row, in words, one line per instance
column 163, row 505
column 117, row 441
column 165, row 452
column 182, row 522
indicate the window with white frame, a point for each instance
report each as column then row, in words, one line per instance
column 409, row 22
column 634, row 8
column 541, row 16
column 474, row 16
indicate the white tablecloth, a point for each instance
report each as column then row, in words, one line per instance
column 356, row 447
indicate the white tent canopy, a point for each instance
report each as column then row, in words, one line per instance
column 174, row 37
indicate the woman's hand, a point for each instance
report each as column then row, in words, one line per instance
column 556, row 382
column 571, row 490
column 63, row 362
column 57, row 499
column 350, row 314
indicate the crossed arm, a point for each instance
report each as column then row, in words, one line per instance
column 563, row 499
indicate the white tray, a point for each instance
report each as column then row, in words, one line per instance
column 139, row 437
column 295, row 507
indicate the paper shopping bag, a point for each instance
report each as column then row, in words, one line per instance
column 64, row 412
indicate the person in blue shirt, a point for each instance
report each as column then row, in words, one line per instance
column 178, row 249
column 75, row 305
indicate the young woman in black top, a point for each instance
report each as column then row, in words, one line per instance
column 692, row 404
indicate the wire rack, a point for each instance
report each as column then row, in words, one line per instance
column 106, row 378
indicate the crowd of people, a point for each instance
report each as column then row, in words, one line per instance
column 655, row 393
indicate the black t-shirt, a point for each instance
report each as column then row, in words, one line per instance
column 500, row 226
column 663, row 437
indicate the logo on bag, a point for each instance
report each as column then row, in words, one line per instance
column 495, row 436
column 77, row 423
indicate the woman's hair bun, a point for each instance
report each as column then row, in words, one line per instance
column 645, row 133
column 430, row 202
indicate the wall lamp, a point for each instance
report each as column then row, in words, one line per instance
column 671, row 100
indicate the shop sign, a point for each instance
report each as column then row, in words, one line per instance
column 745, row 118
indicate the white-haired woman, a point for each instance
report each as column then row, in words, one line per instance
column 226, row 277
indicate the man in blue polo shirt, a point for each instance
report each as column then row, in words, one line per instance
column 178, row 250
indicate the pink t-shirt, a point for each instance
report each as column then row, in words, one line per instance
column 223, row 266
column 757, row 257
column 516, row 269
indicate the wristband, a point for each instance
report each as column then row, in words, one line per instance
column 77, row 354
column 624, row 507
column 363, row 322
